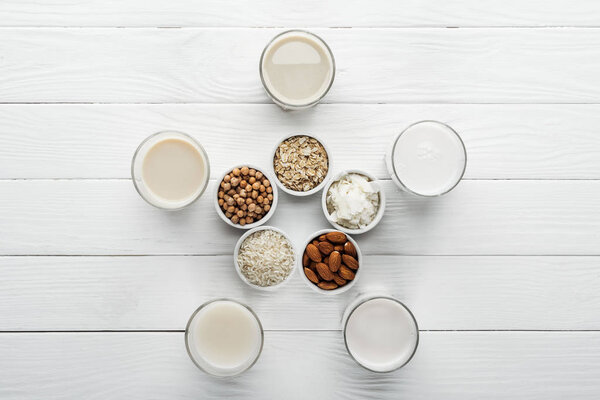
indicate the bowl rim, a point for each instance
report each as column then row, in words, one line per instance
column 333, row 292
column 380, row 210
column 264, row 219
column 237, row 250
column 295, row 192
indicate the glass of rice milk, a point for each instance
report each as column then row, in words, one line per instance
column 297, row 69
column 428, row 159
column 224, row 338
column 380, row 333
column 170, row 170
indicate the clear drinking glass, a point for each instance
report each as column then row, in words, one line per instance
column 363, row 343
column 203, row 363
column 328, row 60
column 137, row 166
column 428, row 159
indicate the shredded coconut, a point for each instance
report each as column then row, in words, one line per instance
column 266, row 258
column 352, row 201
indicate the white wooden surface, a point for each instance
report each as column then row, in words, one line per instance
column 502, row 274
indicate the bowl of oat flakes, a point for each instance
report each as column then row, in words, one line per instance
column 301, row 164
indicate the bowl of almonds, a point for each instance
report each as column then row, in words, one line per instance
column 245, row 197
column 301, row 164
column 331, row 261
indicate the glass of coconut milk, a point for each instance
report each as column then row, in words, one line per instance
column 297, row 69
column 170, row 170
column 428, row 159
column 380, row 333
column 224, row 337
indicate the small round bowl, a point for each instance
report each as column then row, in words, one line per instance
column 380, row 211
column 295, row 192
column 256, row 223
column 315, row 287
column 237, row 251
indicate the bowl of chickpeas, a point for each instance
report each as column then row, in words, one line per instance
column 245, row 196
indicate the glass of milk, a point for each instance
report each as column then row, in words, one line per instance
column 224, row 338
column 427, row 159
column 380, row 333
column 170, row 170
column 297, row 69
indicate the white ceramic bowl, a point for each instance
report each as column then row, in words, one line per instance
column 295, row 192
column 314, row 287
column 237, row 251
column 256, row 223
column 380, row 211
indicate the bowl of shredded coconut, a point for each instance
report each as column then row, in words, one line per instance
column 353, row 202
column 264, row 257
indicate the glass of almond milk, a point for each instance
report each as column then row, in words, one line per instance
column 170, row 170
column 224, row 338
column 297, row 69
column 380, row 333
column 428, row 159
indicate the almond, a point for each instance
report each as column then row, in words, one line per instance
column 324, row 272
column 313, row 266
column 322, row 238
column 350, row 261
column 327, row 285
column 313, row 253
column 339, row 280
column 350, row 249
column 326, row 248
column 345, row 273
column 326, row 260
column 305, row 260
column 315, row 242
column 336, row 237
column 311, row 275
column 335, row 261
column 338, row 247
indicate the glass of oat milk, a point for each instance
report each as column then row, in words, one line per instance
column 170, row 170
column 380, row 333
column 297, row 69
column 428, row 158
column 224, row 337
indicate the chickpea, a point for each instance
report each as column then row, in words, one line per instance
column 243, row 183
column 227, row 178
column 270, row 196
column 260, row 198
column 266, row 201
column 243, row 193
column 259, row 175
column 249, row 200
column 266, row 182
column 221, row 194
column 235, row 219
column 243, row 221
column 254, row 194
column 228, row 214
column 240, row 214
column 236, row 172
column 227, row 186
column 230, row 209
column 252, row 172
column 244, row 207
column 256, row 186
column 245, row 170
column 251, row 207
column 240, row 201
column 221, row 202
column 261, row 188
column 252, row 180
column 235, row 182
column 249, row 220
column 230, row 201
column 269, row 189
column 258, row 210
column 231, row 192
column 267, row 207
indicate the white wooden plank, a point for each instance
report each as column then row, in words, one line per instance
column 97, row 141
column 478, row 217
column 307, row 13
column 374, row 65
column 301, row 365
column 160, row 293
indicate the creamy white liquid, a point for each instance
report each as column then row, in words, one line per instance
column 381, row 334
column 224, row 338
column 429, row 158
column 174, row 171
column 297, row 69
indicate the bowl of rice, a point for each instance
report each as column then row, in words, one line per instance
column 264, row 258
